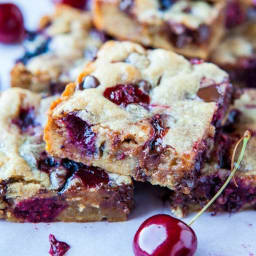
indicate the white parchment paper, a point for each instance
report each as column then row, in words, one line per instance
column 222, row 235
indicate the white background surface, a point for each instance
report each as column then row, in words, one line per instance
column 221, row 235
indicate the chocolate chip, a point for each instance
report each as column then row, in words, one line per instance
column 165, row 4
column 183, row 40
column 187, row 9
column 181, row 35
column 126, row 5
column 203, row 34
column 209, row 94
column 98, row 35
column 89, row 82
column 2, row 189
column 101, row 149
column 144, row 86
column 56, row 88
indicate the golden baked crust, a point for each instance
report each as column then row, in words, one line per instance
column 162, row 139
column 191, row 28
column 35, row 187
column 58, row 51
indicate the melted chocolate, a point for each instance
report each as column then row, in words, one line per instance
column 181, row 36
column 153, row 149
column 45, row 162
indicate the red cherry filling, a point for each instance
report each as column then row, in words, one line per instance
column 89, row 175
column 163, row 235
column 79, row 4
column 26, row 119
column 38, row 210
column 80, row 134
column 92, row 176
column 234, row 14
column 57, row 248
column 11, row 24
column 125, row 94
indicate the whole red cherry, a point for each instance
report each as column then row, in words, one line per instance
column 11, row 24
column 79, row 4
column 163, row 235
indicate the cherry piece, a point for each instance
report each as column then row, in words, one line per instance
column 79, row 4
column 92, row 176
column 235, row 14
column 125, row 94
column 11, row 24
column 163, row 235
column 57, row 248
column 81, row 134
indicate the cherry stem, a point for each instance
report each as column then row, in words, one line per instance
column 246, row 137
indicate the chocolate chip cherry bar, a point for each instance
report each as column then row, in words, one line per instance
column 241, row 193
column 236, row 54
column 36, row 187
column 150, row 114
column 57, row 52
column 191, row 28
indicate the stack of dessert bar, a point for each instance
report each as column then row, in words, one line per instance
column 90, row 114
column 241, row 192
column 35, row 186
